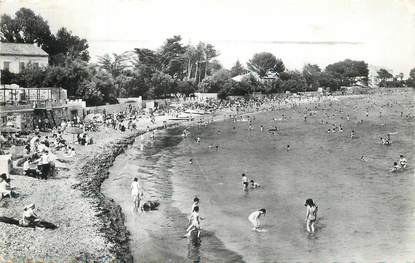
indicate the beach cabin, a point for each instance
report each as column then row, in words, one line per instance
column 206, row 96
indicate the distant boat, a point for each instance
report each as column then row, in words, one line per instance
column 197, row 112
column 182, row 117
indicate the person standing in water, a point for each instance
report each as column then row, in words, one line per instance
column 311, row 215
column 402, row 161
column 136, row 193
column 254, row 218
column 244, row 182
column 194, row 222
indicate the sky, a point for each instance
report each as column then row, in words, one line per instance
column 381, row 32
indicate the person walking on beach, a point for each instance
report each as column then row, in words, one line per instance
column 311, row 215
column 254, row 218
column 137, row 194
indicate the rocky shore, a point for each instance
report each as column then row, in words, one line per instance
column 91, row 176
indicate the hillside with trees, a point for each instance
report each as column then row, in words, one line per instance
column 174, row 69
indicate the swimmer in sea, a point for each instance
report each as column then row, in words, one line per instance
column 402, row 161
column 311, row 215
column 288, row 148
column 254, row 185
column 244, row 182
column 195, row 203
column 395, row 167
column 254, row 218
column 191, row 161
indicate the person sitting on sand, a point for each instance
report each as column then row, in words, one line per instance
column 395, row 167
column 402, row 161
column 194, row 222
column 254, row 185
column 254, row 218
column 5, row 190
column 71, row 152
column 311, row 215
column 29, row 216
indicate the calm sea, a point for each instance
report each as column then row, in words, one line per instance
column 366, row 214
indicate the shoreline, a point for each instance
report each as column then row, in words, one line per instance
column 91, row 224
column 110, row 214
column 93, row 174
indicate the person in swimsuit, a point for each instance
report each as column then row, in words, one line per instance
column 402, row 161
column 395, row 167
column 254, row 218
column 244, row 182
column 136, row 193
column 254, row 185
column 311, row 215
column 194, row 222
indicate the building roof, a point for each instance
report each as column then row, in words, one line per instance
column 21, row 49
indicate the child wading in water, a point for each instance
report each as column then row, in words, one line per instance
column 194, row 222
column 254, row 218
column 311, row 215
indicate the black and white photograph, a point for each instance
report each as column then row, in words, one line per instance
column 207, row 131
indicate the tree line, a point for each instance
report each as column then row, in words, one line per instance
column 174, row 69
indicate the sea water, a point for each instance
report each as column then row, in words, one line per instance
column 365, row 212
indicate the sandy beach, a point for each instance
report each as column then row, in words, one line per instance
column 91, row 226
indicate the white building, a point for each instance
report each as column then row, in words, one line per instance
column 16, row 56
